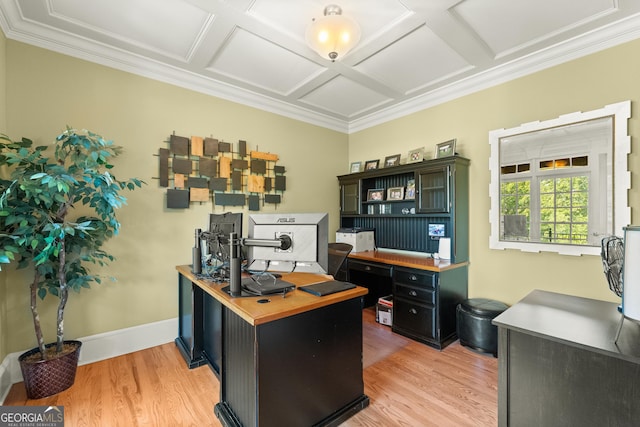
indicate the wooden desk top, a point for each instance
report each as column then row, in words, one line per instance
column 295, row 302
column 411, row 261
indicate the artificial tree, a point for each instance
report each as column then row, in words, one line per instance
column 57, row 208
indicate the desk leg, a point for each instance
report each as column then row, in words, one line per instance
column 190, row 307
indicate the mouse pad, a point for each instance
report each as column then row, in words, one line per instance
column 326, row 288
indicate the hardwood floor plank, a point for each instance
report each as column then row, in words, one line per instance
column 408, row 384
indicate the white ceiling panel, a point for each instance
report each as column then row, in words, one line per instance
column 507, row 24
column 253, row 60
column 414, row 61
column 412, row 54
column 343, row 97
column 168, row 27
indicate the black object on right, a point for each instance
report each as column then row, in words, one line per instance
column 475, row 330
column 327, row 288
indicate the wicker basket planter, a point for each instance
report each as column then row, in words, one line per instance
column 47, row 377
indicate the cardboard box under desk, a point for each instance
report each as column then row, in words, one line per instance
column 384, row 310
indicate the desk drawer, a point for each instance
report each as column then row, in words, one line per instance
column 419, row 294
column 415, row 318
column 415, row 278
column 377, row 269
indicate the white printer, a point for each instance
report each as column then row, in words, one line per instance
column 362, row 239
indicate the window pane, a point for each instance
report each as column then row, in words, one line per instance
column 523, row 187
column 547, row 186
column 563, row 200
column 546, row 215
column 579, row 215
column 580, row 199
column 547, row 200
column 547, row 232
column 563, row 184
column 580, row 183
column 508, row 188
column 508, row 205
column 563, row 215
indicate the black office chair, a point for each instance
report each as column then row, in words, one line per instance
column 338, row 253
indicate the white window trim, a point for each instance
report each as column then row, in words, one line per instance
column 620, row 112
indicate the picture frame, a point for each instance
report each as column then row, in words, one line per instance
column 375, row 195
column 371, row 164
column 436, row 230
column 416, row 155
column 356, row 167
column 395, row 193
column 391, row 161
column 446, row 149
column 410, row 194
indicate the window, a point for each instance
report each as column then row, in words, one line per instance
column 564, row 210
column 554, row 186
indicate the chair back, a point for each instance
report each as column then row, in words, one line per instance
column 338, row 253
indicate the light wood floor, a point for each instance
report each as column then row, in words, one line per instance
column 408, row 384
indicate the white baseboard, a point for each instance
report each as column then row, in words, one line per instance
column 100, row 347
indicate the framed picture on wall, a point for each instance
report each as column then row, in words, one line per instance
column 371, row 164
column 356, row 167
column 416, row 155
column 446, row 149
column 390, row 161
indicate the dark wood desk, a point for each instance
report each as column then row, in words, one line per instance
column 294, row 361
column 425, row 291
column 558, row 364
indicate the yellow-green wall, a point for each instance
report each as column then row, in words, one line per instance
column 581, row 85
column 48, row 91
column 3, row 123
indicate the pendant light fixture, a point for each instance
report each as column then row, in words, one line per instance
column 334, row 34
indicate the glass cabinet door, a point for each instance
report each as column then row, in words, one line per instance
column 434, row 190
column 349, row 202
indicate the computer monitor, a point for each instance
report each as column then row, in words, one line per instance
column 309, row 242
column 217, row 236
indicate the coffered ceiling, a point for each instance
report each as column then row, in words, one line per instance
column 413, row 53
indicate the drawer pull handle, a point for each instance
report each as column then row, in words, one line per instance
column 367, row 268
column 413, row 311
column 412, row 277
column 413, row 293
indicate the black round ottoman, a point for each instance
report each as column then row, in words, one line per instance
column 474, row 326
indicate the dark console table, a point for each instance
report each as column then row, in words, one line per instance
column 558, row 364
column 293, row 361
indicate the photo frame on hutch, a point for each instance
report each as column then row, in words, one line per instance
column 391, row 161
column 375, row 194
column 356, row 167
column 446, row 149
column 416, row 155
column 371, row 164
column 411, row 190
column 395, row 193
